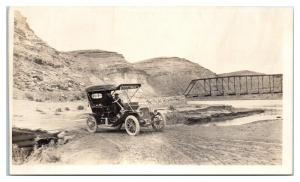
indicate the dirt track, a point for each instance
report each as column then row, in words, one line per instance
column 180, row 144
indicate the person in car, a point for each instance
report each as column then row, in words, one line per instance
column 118, row 99
column 118, row 104
column 107, row 99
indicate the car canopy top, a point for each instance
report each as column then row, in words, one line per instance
column 103, row 88
column 128, row 86
column 100, row 88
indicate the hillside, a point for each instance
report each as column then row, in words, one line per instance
column 41, row 72
column 104, row 67
column 172, row 74
column 242, row 72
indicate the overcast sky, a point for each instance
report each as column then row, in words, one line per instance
column 220, row 39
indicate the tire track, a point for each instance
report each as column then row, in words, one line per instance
column 237, row 150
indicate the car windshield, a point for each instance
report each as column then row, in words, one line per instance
column 132, row 95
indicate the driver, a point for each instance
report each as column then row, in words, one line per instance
column 118, row 103
column 118, row 99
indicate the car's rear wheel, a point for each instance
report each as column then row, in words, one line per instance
column 132, row 125
column 91, row 124
column 158, row 122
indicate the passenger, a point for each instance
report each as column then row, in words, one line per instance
column 107, row 99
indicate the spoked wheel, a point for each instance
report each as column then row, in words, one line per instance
column 158, row 122
column 132, row 125
column 91, row 124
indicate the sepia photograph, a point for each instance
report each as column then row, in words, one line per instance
column 185, row 90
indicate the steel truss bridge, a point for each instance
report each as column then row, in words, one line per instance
column 235, row 85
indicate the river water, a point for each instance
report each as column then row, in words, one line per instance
column 273, row 110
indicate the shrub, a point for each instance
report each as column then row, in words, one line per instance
column 58, row 110
column 44, row 154
column 175, row 117
column 38, row 61
column 39, row 100
column 29, row 96
column 171, row 107
column 80, row 107
column 38, row 110
column 67, row 109
column 42, row 112
column 18, row 155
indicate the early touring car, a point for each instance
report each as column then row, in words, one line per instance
column 113, row 112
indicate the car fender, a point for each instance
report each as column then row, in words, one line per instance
column 127, row 113
column 95, row 116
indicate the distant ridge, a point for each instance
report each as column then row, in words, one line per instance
column 242, row 72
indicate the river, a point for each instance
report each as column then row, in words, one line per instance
column 273, row 110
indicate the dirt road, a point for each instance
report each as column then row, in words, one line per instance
column 180, row 144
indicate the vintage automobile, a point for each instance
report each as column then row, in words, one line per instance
column 112, row 112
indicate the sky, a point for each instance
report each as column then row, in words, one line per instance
column 222, row 39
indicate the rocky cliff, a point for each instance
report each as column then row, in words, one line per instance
column 37, row 67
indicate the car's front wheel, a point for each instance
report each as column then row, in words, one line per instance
column 91, row 124
column 132, row 125
column 158, row 122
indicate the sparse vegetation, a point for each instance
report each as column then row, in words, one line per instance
column 29, row 96
column 171, row 107
column 44, row 154
column 38, row 100
column 58, row 110
column 34, row 146
column 80, row 107
column 18, row 155
column 38, row 61
column 40, row 111
column 175, row 117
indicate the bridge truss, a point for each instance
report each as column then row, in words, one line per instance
column 235, row 85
